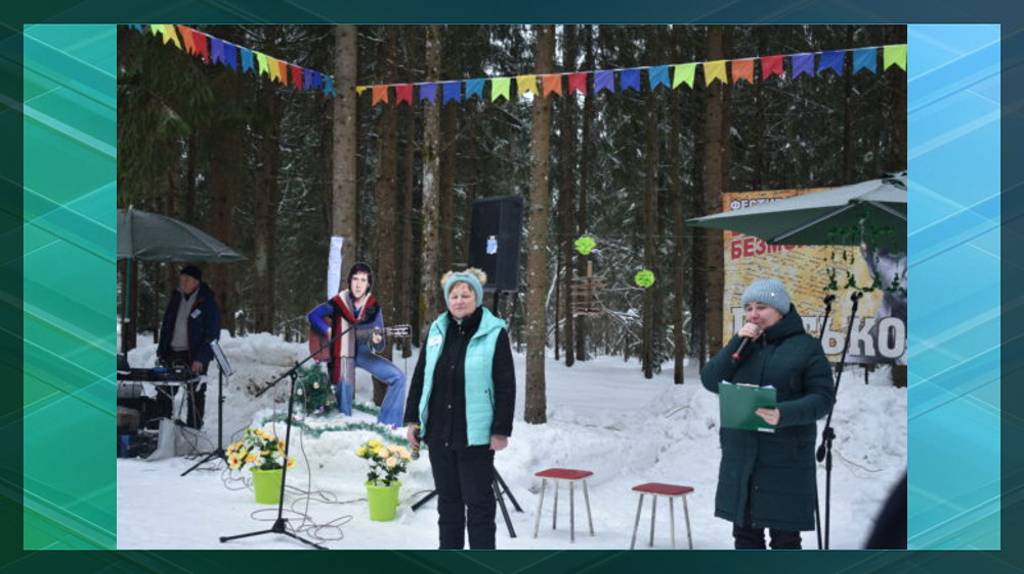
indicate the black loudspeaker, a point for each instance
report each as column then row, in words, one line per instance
column 495, row 228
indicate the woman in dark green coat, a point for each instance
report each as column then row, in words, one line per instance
column 767, row 480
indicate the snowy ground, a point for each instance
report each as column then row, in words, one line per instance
column 603, row 416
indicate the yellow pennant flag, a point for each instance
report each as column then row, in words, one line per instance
column 261, row 59
column 526, row 84
column 170, row 35
column 499, row 88
column 715, row 71
column 361, row 89
column 895, row 56
column 275, row 69
column 683, row 74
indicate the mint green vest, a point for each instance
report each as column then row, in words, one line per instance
column 478, row 370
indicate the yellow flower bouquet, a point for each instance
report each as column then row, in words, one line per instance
column 387, row 461
column 258, row 449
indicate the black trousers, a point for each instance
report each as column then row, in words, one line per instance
column 465, row 499
column 750, row 538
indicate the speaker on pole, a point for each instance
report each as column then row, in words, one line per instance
column 495, row 228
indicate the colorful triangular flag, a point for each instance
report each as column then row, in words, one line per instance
column 802, row 64
column 604, row 80
column 186, row 38
column 380, row 94
column 246, row 59
column 657, row 76
column 297, row 76
column 771, row 66
column 865, row 59
column 715, row 70
column 499, row 88
column 743, row 70
column 231, row 55
column 428, row 92
column 683, row 74
column 895, row 55
column 526, row 84
column 329, row 85
column 403, row 93
column 216, row 50
column 475, row 87
column 832, row 61
column 451, row 92
column 629, row 79
column 552, row 84
column 578, row 83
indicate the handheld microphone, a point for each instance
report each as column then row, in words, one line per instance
column 737, row 356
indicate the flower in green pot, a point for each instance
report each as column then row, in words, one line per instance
column 263, row 453
column 387, row 462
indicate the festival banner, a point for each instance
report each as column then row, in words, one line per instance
column 880, row 330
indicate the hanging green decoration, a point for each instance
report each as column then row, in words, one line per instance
column 585, row 244
column 644, row 278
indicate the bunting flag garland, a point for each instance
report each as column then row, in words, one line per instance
column 526, row 84
column 499, row 88
column 475, row 87
column 683, row 74
column 771, row 66
column 578, row 83
column 865, row 59
column 452, row 92
column 630, row 79
column 604, row 80
column 552, row 84
column 832, row 61
column 215, row 50
column 403, row 93
column 894, row 56
column 715, row 71
column 743, row 70
column 802, row 64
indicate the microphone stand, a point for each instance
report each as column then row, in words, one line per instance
column 828, row 435
column 281, row 524
column 821, row 334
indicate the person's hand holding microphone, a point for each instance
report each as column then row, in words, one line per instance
column 749, row 332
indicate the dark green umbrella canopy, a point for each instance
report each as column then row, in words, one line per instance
column 873, row 211
column 153, row 237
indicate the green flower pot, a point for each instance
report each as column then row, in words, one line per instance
column 383, row 501
column 267, row 485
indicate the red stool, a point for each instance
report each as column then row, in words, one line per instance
column 670, row 491
column 571, row 476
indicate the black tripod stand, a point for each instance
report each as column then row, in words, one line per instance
column 821, row 334
column 827, row 434
column 281, row 524
column 222, row 366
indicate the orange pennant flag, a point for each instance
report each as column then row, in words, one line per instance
column 743, row 70
column 552, row 84
column 380, row 94
column 282, row 72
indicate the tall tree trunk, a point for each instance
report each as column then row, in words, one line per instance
column 446, row 191
column 343, row 184
column 675, row 163
column 268, row 196
column 650, row 218
column 582, row 225
column 405, row 268
column 847, row 174
column 567, row 189
column 386, row 191
column 715, row 177
column 431, row 168
column 536, row 265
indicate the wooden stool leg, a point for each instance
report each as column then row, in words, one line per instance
column 654, row 510
column 586, row 496
column 540, row 506
column 554, row 517
column 636, row 523
column 672, row 520
column 572, row 512
column 686, row 512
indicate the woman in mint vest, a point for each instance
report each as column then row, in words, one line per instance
column 460, row 404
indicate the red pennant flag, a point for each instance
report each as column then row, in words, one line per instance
column 578, row 83
column 296, row 76
column 743, row 70
column 403, row 93
column 186, row 37
column 380, row 94
column 771, row 66
column 202, row 44
column 552, row 84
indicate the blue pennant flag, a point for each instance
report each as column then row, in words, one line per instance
column 452, row 92
column 475, row 87
column 428, row 92
column 138, row 27
column 832, row 61
column 329, row 85
column 246, row 59
column 231, row 55
column 216, row 50
column 657, row 76
column 630, row 79
column 867, row 59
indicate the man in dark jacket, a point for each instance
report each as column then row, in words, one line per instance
column 191, row 322
column 767, row 480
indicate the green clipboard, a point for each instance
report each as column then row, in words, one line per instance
column 737, row 403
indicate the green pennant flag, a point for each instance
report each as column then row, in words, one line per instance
column 499, row 88
column 683, row 73
column 895, row 55
column 261, row 58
